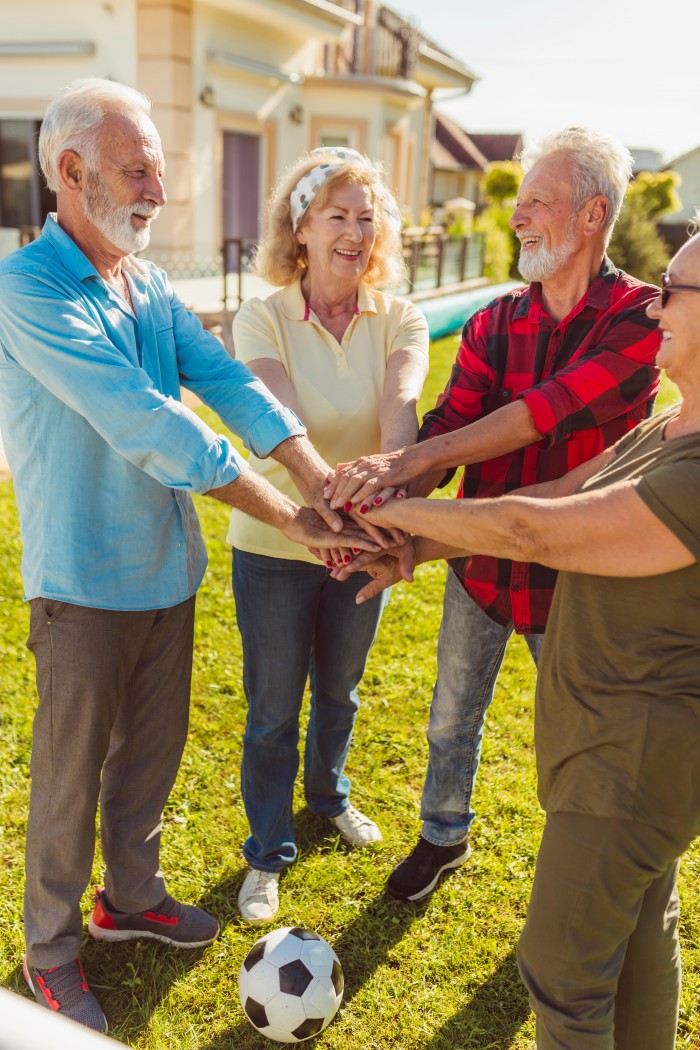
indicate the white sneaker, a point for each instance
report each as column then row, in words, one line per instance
column 356, row 828
column 257, row 897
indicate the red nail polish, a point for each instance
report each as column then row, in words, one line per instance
column 377, row 500
column 347, row 558
column 364, row 508
column 348, row 507
column 356, row 550
column 329, row 564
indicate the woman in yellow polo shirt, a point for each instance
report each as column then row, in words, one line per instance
column 351, row 362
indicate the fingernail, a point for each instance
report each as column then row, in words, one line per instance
column 400, row 495
column 340, row 561
column 377, row 500
column 364, row 508
column 347, row 558
column 347, row 508
column 356, row 550
column 329, row 564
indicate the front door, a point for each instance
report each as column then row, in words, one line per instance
column 241, row 204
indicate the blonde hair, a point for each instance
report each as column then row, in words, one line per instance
column 280, row 258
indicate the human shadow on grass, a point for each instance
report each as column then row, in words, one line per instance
column 311, row 832
column 362, row 948
column 492, row 1017
column 129, row 979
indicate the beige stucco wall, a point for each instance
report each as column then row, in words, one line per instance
column 27, row 83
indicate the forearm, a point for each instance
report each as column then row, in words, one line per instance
column 307, row 468
column 505, row 430
column 495, row 527
column 256, row 497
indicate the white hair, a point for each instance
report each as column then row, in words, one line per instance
column 602, row 167
column 74, row 118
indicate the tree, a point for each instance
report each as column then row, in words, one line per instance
column 501, row 181
column 636, row 245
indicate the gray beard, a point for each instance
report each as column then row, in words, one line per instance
column 114, row 220
column 545, row 262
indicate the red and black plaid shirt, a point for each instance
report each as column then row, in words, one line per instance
column 586, row 382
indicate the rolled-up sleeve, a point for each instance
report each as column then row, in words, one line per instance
column 614, row 371
column 61, row 345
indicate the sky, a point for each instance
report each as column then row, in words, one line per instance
column 628, row 68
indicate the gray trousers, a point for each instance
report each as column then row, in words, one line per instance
column 599, row 951
column 111, row 725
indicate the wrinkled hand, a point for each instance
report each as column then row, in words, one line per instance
column 385, row 573
column 368, row 481
column 310, row 530
column 402, row 553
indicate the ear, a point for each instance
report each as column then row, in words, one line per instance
column 71, row 171
column 595, row 213
column 300, row 235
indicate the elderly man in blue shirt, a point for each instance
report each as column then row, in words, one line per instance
column 94, row 346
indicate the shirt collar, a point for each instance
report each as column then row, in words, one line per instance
column 598, row 295
column 295, row 307
column 76, row 261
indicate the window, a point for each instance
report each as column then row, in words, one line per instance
column 24, row 198
column 334, row 140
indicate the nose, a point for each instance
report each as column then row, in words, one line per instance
column 517, row 219
column 654, row 308
column 154, row 191
column 353, row 230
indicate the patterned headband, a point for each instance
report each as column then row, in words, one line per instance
column 309, row 184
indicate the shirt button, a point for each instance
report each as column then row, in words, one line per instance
column 516, row 587
column 179, row 546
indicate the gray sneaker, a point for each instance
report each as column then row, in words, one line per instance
column 182, row 925
column 356, row 828
column 64, row 990
column 257, row 897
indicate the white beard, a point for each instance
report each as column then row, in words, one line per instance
column 543, row 263
column 114, row 220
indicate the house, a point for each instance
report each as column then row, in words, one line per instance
column 239, row 89
column 688, row 167
column 459, row 158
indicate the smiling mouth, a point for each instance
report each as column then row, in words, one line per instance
column 346, row 253
column 528, row 240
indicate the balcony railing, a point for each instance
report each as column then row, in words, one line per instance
column 433, row 260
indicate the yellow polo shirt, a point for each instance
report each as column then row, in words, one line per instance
column 338, row 385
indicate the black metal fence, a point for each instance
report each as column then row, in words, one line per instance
column 433, row 260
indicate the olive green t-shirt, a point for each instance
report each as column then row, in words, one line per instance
column 617, row 722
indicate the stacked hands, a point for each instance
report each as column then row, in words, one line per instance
column 357, row 494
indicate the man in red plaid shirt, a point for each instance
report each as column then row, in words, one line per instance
column 546, row 377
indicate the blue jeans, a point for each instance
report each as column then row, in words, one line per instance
column 297, row 622
column 470, row 653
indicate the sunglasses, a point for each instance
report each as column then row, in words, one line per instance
column 668, row 289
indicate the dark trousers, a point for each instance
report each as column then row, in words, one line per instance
column 599, row 951
column 111, row 725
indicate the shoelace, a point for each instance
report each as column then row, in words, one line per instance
column 65, row 984
column 265, row 882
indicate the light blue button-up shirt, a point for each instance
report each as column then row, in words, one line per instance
column 104, row 454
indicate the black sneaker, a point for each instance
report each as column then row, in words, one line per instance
column 418, row 874
column 171, row 922
column 65, row 990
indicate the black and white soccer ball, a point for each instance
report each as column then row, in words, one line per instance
column 291, row 984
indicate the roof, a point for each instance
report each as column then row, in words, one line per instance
column 454, row 149
column 499, row 146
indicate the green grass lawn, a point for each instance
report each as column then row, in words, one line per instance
column 439, row 976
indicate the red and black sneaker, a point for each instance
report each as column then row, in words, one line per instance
column 171, row 922
column 65, row 990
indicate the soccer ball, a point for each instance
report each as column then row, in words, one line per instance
column 290, row 984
